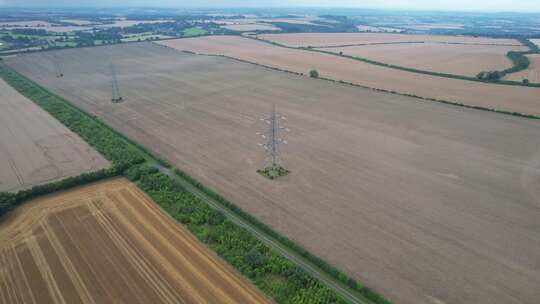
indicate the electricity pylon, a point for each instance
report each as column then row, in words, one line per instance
column 57, row 67
column 272, row 136
column 116, row 97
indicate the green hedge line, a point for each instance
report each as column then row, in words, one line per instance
column 398, row 67
column 273, row 274
column 520, row 62
column 453, row 103
column 329, row 269
column 9, row 201
column 112, row 144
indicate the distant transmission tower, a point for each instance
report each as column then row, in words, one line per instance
column 273, row 139
column 57, row 67
column 116, row 97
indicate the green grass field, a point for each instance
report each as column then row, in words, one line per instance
column 194, row 31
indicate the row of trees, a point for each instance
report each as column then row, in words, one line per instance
column 273, row 274
column 520, row 62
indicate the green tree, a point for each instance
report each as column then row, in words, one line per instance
column 314, row 74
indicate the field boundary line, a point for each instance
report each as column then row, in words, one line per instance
column 344, row 291
column 393, row 66
column 452, row 103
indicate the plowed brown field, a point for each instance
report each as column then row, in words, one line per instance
column 109, row 243
column 425, row 202
column 501, row 97
column 457, row 59
column 35, row 148
column 335, row 39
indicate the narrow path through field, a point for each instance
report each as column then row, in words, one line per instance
column 345, row 292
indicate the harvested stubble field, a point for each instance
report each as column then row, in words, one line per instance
column 42, row 25
column 501, row 97
column 35, row 148
column 251, row 27
column 339, row 39
column 457, row 59
column 109, row 243
column 425, row 202
column 532, row 73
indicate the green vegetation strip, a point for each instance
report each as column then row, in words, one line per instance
column 413, row 70
column 281, row 268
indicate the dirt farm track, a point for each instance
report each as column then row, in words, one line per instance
column 426, row 203
column 35, row 148
column 109, row 243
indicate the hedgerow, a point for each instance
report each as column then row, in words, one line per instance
column 273, row 274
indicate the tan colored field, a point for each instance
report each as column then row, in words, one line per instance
column 35, row 23
column 251, row 27
column 128, row 23
column 77, row 21
column 37, row 149
column 43, row 25
column 299, row 20
column 532, row 73
column 430, row 26
column 367, row 28
column 426, row 203
column 509, row 98
column 109, row 243
column 458, row 59
column 337, row 39
column 65, row 29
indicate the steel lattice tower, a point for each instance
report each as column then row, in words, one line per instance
column 273, row 137
column 116, row 97
column 57, row 66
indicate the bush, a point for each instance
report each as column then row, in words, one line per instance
column 314, row 74
column 525, row 81
column 255, row 259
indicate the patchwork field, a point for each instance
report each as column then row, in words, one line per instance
column 532, row 73
column 426, row 203
column 339, row 39
column 35, row 148
column 108, row 242
column 251, row 27
column 458, row 59
column 42, row 25
column 509, row 98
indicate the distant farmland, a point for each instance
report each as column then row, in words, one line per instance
column 339, row 39
column 458, row 59
column 109, row 243
column 35, row 148
column 501, row 97
column 425, row 202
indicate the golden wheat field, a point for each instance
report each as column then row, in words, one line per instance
column 109, row 243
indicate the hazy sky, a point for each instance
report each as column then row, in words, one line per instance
column 456, row 5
